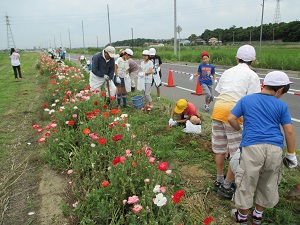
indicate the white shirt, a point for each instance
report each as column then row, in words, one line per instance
column 14, row 58
column 145, row 68
column 123, row 65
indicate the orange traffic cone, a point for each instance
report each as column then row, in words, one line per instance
column 199, row 90
column 78, row 58
column 170, row 79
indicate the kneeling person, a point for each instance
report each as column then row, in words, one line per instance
column 184, row 111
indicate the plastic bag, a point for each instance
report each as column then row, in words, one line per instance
column 157, row 79
column 191, row 128
column 235, row 160
column 127, row 82
column 141, row 83
column 112, row 89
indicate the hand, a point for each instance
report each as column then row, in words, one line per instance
column 106, row 77
column 118, row 80
column 127, row 76
column 191, row 77
column 290, row 160
column 216, row 81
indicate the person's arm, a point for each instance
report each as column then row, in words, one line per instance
column 149, row 72
column 233, row 121
column 290, row 138
column 116, row 70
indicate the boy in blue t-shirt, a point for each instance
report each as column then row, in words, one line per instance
column 261, row 147
column 205, row 72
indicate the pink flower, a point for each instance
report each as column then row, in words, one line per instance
column 137, row 208
column 124, row 201
column 70, row 171
column 147, row 180
column 128, row 152
column 53, row 125
column 122, row 158
column 152, row 159
column 148, row 153
column 74, row 115
column 133, row 136
column 35, row 126
column 40, row 130
column 75, row 204
column 163, row 189
column 41, row 140
column 168, row 171
column 163, row 166
column 133, row 199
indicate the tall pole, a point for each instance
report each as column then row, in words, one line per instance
column 131, row 37
column 61, row 45
column 261, row 27
column 54, row 43
column 69, row 38
column 175, row 30
column 108, row 25
column 97, row 41
column 83, row 37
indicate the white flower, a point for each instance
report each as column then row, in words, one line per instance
column 168, row 171
column 127, row 126
column 53, row 105
column 57, row 100
column 93, row 145
column 160, row 200
column 124, row 116
column 156, row 188
column 51, row 111
column 47, row 110
column 116, row 119
column 62, row 107
column 75, row 108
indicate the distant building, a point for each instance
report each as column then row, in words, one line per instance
column 214, row 41
column 185, row 42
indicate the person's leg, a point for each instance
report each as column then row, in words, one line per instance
column 15, row 71
column 206, row 91
column 19, row 71
column 147, row 94
column 133, row 76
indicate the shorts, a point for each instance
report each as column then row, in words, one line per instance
column 122, row 84
column 224, row 138
column 259, row 172
column 208, row 91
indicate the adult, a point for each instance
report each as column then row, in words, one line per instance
column 103, row 66
column 156, row 70
column 15, row 62
column 133, row 71
column 234, row 84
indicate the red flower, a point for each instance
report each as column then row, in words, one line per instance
column 95, row 103
column 208, row 220
column 116, row 161
column 102, row 141
column 86, row 131
column 71, row 123
column 45, row 105
column 105, row 184
column 114, row 111
column 103, row 94
column 106, row 114
column 163, row 166
column 105, row 107
column 117, row 137
column 177, row 196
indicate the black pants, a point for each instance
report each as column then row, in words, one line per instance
column 19, row 71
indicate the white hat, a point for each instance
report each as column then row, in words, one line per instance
column 152, row 51
column 246, row 53
column 146, row 52
column 276, row 78
column 129, row 51
column 111, row 51
column 88, row 62
column 82, row 57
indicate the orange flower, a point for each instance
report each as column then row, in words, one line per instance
column 133, row 164
column 115, row 111
column 105, row 184
column 86, row 131
column 106, row 114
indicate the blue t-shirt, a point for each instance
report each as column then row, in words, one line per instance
column 205, row 73
column 263, row 115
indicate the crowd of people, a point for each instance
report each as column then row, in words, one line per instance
column 246, row 119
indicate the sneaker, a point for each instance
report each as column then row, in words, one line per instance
column 126, row 106
column 216, row 186
column 132, row 89
column 206, row 108
column 256, row 220
column 234, row 215
column 226, row 193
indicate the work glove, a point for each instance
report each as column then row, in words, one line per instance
column 106, row 77
column 141, row 74
column 191, row 78
column 172, row 122
column 290, row 160
column 216, row 81
column 118, row 80
column 127, row 76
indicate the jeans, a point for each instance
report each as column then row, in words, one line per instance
column 19, row 71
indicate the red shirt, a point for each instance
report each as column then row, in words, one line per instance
column 190, row 110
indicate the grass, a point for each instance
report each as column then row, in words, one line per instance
column 182, row 150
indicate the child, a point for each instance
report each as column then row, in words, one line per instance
column 184, row 111
column 205, row 71
column 156, row 69
column 15, row 62
column 146, row 70
column 262, row 142
column 121, row 70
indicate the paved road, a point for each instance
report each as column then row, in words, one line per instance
column 184, row 89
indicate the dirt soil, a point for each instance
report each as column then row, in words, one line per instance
column 30, row 192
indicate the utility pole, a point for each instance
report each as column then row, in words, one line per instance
column 261, row 27
column 97, row 41
column 175, row 29
column 10, row 37
column 69, row 37
column 132, row 37
column 83, row 38
column 61, row 45
column 108, row 25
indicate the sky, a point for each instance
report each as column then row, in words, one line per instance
column 45, row 23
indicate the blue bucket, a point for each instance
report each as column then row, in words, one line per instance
column 137, row 101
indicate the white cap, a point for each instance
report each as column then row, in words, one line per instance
column 129, row 51
column 246, row 53
column 88, row 62
column 145, row 52
column 152, row 51
column 276, row 78
column 82, row 57
column 111, row 51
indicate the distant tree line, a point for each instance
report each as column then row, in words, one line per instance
column 285, row 32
